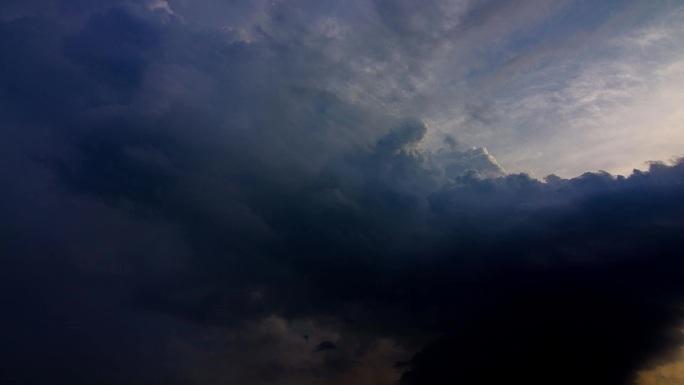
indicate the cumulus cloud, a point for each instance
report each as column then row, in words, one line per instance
column 245, row 184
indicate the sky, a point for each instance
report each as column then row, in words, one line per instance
column 366, row 192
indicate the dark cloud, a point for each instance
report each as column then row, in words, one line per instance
column 114, row 48
column 564, row 333
column 244, row 194
column 63, row 324
column 325, row 345
column 511, row 269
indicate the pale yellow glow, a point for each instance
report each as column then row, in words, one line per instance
column 666, row 374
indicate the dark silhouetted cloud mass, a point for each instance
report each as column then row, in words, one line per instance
column 296, row 192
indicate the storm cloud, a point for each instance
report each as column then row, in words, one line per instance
column 262, row 193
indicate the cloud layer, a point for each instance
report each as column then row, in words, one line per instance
column 277, row 196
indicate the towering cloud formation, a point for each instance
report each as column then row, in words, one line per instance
column 264, row 202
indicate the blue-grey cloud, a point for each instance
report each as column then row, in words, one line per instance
column 260, row 183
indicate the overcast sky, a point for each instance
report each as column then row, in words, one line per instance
column 366, row 192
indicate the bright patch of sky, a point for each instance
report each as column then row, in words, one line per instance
column 573, row 97
column 558, row 87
